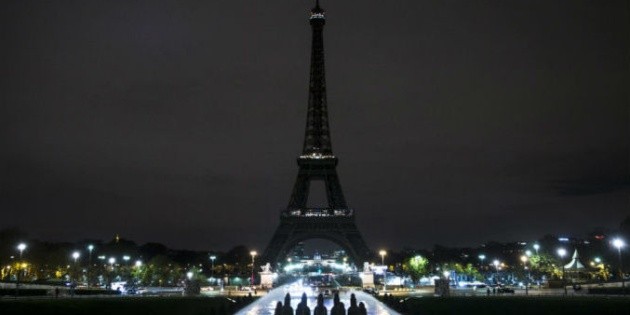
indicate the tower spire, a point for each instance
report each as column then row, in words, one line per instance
column 317, row 135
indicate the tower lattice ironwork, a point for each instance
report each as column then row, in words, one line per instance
column 298, row 222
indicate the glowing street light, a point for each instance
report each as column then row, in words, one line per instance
column 212, row 258
column 524, row 259
column 112, row 261
column 528, row 253
column 21, row 247
column 619, row 243
column 253, row 253
column 562, row 252
column 90, row 249
column 496, row 264
column 75, row 256
column 138, row 263
column 383, row 253
column 536, row 248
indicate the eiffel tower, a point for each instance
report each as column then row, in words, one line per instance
column 317, row 163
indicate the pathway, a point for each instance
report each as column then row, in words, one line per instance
column 267, row 304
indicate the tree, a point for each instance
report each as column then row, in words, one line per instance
column 416, row 267
column 472, row 272
column 545, row 264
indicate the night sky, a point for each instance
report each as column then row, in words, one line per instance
column 456, row 122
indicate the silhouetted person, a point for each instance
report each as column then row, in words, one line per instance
column 302, row 308
column 353, row 309
column 278, row 310
column 320, row 309
column 362, row 309
column 286, row 308
column 338, row 307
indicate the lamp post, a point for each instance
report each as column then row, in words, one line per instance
column 75, row 256
column 212, row 258
column 562, row 252
column 482, row 257
column 618, row 243
column 111, row 261
column 383, row 253
column 524, row 260
column 536, row 248
column 253, row 253
column 21, row 247
column 90, row 249
column 496, row 264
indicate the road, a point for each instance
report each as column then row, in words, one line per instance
column 267, row 304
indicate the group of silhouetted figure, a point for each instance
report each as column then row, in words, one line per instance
column 338, row 307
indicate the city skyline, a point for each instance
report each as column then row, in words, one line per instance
column 455, row 123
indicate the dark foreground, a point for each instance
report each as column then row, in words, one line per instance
column 124, row 306
column 416, row 306
column 511, row 305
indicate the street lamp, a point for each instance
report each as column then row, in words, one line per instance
column 536, row 248
column 618, row 243
column 253, row 253
column 524, row 260
column 496, row 264
column 482, row 257
column 21, row 247
column 76, row 256
column 562, row 252
column 90, row 249
column 383, row 253
column 212, row 258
